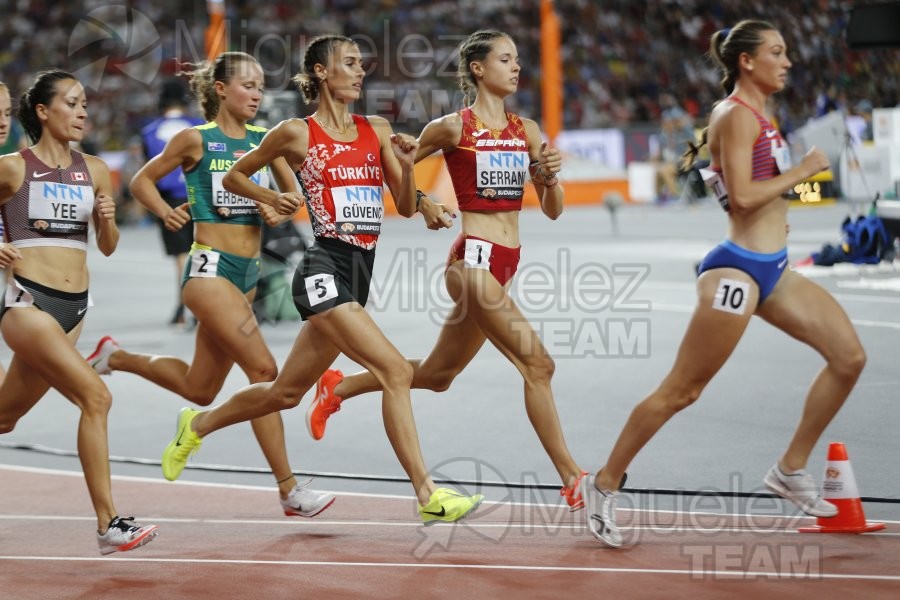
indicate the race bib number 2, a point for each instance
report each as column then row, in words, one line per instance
column 204, row 263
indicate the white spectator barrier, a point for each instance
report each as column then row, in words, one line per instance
column 828, row 134
column 886, row 126
column 641, row 181
column 603, row 146
column 862, row 179
column 886, row 132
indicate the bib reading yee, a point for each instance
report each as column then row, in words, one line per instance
column 52, row 207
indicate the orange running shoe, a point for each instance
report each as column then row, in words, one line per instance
column 324, row 404
column 573, row 494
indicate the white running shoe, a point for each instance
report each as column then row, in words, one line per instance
column 124, row 534
column 600, row 512
column 302, row 502
column 99, row 359
column 800, row 489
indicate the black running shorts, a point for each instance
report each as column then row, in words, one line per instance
column 67, row 308
column 332, row 273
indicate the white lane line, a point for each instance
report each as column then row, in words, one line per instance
column 684, row 308
column 694, row 573
column 471, row 523
column 793, row 519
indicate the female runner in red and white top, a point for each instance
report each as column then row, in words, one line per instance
column 490, row 153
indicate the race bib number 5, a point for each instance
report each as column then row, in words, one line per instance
column 320, row 288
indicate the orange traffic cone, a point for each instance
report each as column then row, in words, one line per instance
column 839, row 488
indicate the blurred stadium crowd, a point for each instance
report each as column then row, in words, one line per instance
column 625, row 61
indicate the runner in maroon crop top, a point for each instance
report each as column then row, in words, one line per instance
column 50, row 197
column 490, row 154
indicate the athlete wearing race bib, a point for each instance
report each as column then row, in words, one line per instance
column 220, row 276
column 49, row 196
column 343, row 161
column 210, row 202
column 5, row 123
column 53, row 206
column 488, row 169
column 344, row 184
column 771, row 157
column 751, row 174
column 51, row 209
column 491, row 154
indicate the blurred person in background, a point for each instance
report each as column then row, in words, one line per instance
column 12, row 137
column 675, row 134
column 173, row 103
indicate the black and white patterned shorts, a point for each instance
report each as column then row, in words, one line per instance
column 67, row 308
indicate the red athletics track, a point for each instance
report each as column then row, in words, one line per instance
column 229, row 542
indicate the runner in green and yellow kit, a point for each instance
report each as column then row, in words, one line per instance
column 222, row 270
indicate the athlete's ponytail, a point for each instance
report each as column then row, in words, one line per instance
column 690, row 155
column 205, row 75
column 476, row 47
column 727, row 45
column 318, row 51
column 41, row 91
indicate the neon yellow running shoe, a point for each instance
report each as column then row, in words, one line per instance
column 448, row 505
column 185, row 444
